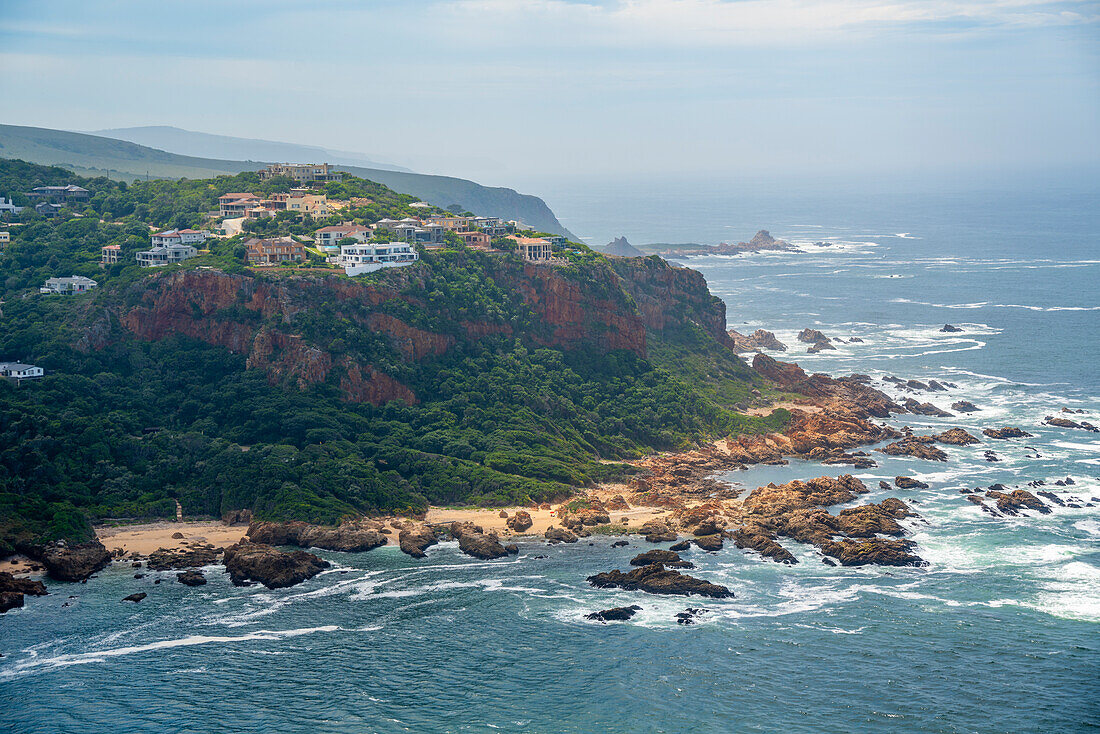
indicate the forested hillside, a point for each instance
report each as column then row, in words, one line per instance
column 468, row 378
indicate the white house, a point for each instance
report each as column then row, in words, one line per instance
column 180, row 237
column 7, row 206
column 165, row 255
column 17, row 371
column 367, row 258
column 68, row 286
column 330, row 236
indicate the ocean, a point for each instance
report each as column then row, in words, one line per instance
column 997, row 634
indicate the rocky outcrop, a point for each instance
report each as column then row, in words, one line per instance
column 756, row 341
column 956, row 437
column 485, row 546
column 657, row 531
column 812, row 336
column 964, row 406
column 415, row 539
column 617, row 504
column 773, row 499
column 13, row 591
column 195, row 555
column 135, row 597
column 615, row 614
column 819, row 347
column 949, row 329
column 619, row 247
column 270, row 566
column 1006, row 432
column 916, row 447
column 1010, row 503
column 711, row 542
column 350, row 536
column 74, row 562
column 559, row 535
column 191, row 578
column 656, row 579
column 1051, row 420
column 877, row 551
column 520, row 521
column 753, row 537
column 909, row 483
column 914, row 406
column 666, row 557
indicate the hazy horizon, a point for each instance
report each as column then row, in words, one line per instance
column 506, row 91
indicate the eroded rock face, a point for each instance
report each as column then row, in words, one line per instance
column 270, row 566
column 1006, row 432
column 10, row 600
column 351, row 536
column 520, row 521
column 1051, row 420
column 416, row 539
column 616, row 614
column 10, row 583
column 812, row 336
column 820, row 492
column 617, row 504
column 75, row 562
column 485, row 546
column 656, row 579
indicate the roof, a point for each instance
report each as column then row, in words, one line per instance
column 345, row 228
column 112, row 247
column 529, row 240
column 4, row 366
column 239, row 195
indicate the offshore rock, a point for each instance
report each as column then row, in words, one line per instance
column 712, row 542
column 1006, row 432
column 820, row 492
column 415, row 539
column 964, row 406
column 270, row 566
column 191, row 578
column 956, row 437
column 949, row 329
column 135, row 597
column 668, row 558
column 520, row 521
column 756, row 341
column 909, row 483
column 10, row 583
column 656, row 579
column 1010, row 503
column 485, row 546
column 616, row 614
column 75, row 562
column 915, row 448
column 812, row 336
column 1067, row 423
column 10, row 600
column 350, row 536
column 819, row 347
column 914, row 406
column 754, row 538
column 194, row 556
column 458, row 529
column 559, row 535
column 877, row 551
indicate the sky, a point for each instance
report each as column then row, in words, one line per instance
column 505, row 91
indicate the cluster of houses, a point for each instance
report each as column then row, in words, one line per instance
column 246, row 205
column 49, row 200
column 169, row 247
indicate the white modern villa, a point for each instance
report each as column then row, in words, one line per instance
column 367, row 258
column 17, row 371
column 68, row 286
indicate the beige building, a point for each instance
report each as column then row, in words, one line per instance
column 109, row 255
column 305, row 172
column 534, row 249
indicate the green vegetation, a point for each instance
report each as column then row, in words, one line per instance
column 122, row 428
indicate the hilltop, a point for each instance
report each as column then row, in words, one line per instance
column 621, row 248
column 93, row 155
column 472, row 377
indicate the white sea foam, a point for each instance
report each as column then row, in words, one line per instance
column 35, row 663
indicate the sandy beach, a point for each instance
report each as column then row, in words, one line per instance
column 145, row 538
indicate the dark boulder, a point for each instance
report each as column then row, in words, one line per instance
column 559, row 535
column 875, row 550
column 668, row 558
column 485, row 546
column 75, row 562
column 913, row 446
column 956, row 437
column 520, row 521
column 351, row 536
column 914, row 406
column 964, row 406
column 135, row 597
column 193, row 556
column 191, row 578
column 683, row 545
column 949, row 329
column 21, row 586
column 909, row 483
column 1006, row 432
column 270, row 566
column 656, row 579
column 712, row 542
column 616, row 614
column 10, row 600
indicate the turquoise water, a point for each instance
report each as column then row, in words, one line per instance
column 998, row 634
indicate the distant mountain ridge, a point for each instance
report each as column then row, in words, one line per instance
column 94, row 155
column 206, row 145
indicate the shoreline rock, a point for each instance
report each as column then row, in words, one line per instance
column 270, row 566
column 656, row 579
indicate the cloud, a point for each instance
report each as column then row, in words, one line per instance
column 760, row 22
